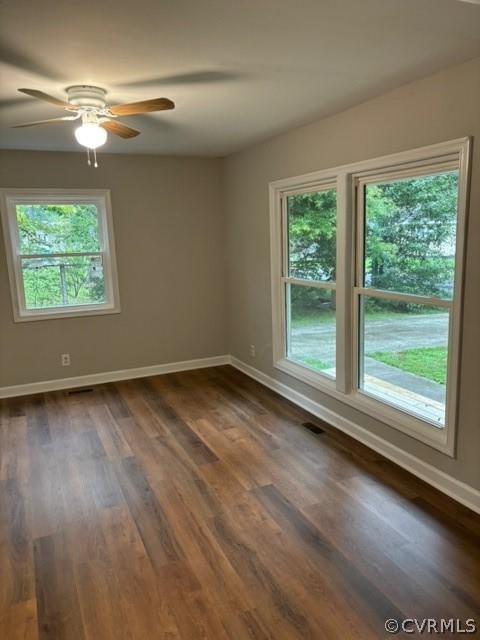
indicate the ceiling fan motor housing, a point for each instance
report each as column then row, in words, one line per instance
column 86, row 96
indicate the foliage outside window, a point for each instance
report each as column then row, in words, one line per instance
column 410, row 235
column 61, row 260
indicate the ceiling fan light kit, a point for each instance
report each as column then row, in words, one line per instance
column 88, row 103
column 91, row 135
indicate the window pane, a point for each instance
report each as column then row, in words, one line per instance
column 312, row 235
column 57, row 228
column 410, row 235
column 63, row 282
column 404, row 359
column 311, row 335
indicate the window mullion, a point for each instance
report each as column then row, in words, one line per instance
column 36, row 256
column 357, row 280
column 344, row 271
column 318, row 284
column 403, row 297
column 284, row 231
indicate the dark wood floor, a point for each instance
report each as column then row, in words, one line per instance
column 198, row 505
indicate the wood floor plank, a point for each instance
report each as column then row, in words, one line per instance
column 112, row 438
column 93, row 566
column 59, row 616
column 316, row 581
column 198, row 505
column 374, row 545
column 99, row 597
column 141, row 404
column 19, row 622
column 223, row 481
column 115, row 402
column 37, row 420
column 139, row 597
column 16, row 566
column 278, row 608
column 14, row 449
column 238, row 464
column 155, row 530
column 45, row 489
column 214, row 572
column 433, row 540
column 193, row 445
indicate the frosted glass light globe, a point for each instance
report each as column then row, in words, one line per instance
column 91, row 135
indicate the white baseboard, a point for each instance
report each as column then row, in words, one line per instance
column 463, row 493
column 111, row 376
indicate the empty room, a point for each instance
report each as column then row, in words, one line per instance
column 239, row 319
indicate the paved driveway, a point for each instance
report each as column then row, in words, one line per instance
column 392, row 334
column 389, row 334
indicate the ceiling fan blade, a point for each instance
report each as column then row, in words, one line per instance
column 51, row 121
column 119, row 129
column 157, row 104
column 40, row 95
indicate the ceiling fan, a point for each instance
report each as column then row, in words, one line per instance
column 88, row 104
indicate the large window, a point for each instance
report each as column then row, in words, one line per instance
column 367, row 266
column 60, row 253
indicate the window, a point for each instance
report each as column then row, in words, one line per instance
column 60, row 253
column 406, row 265
column 309, row 278
column 367, row 267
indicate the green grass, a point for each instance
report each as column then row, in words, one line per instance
column 315, row 363
column 313, row 317
column 428, row 362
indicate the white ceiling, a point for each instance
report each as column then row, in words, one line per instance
column 239, row 71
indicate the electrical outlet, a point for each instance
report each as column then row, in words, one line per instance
column 253, row 352
column 65, row 359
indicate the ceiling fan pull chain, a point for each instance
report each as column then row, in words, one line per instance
column 95, row 158
column 88, row 157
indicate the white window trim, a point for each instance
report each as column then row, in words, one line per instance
column 344, row 387
column 9, row 198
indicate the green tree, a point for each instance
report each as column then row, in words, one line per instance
column 55, row 229
column 312, row 235
column 312, row 247
column 410, row 235
column 409, row 238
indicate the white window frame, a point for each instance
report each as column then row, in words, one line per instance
column 348, row 178
column 10, row 198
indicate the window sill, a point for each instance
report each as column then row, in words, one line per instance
column 73, row 312
column 440, row 438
